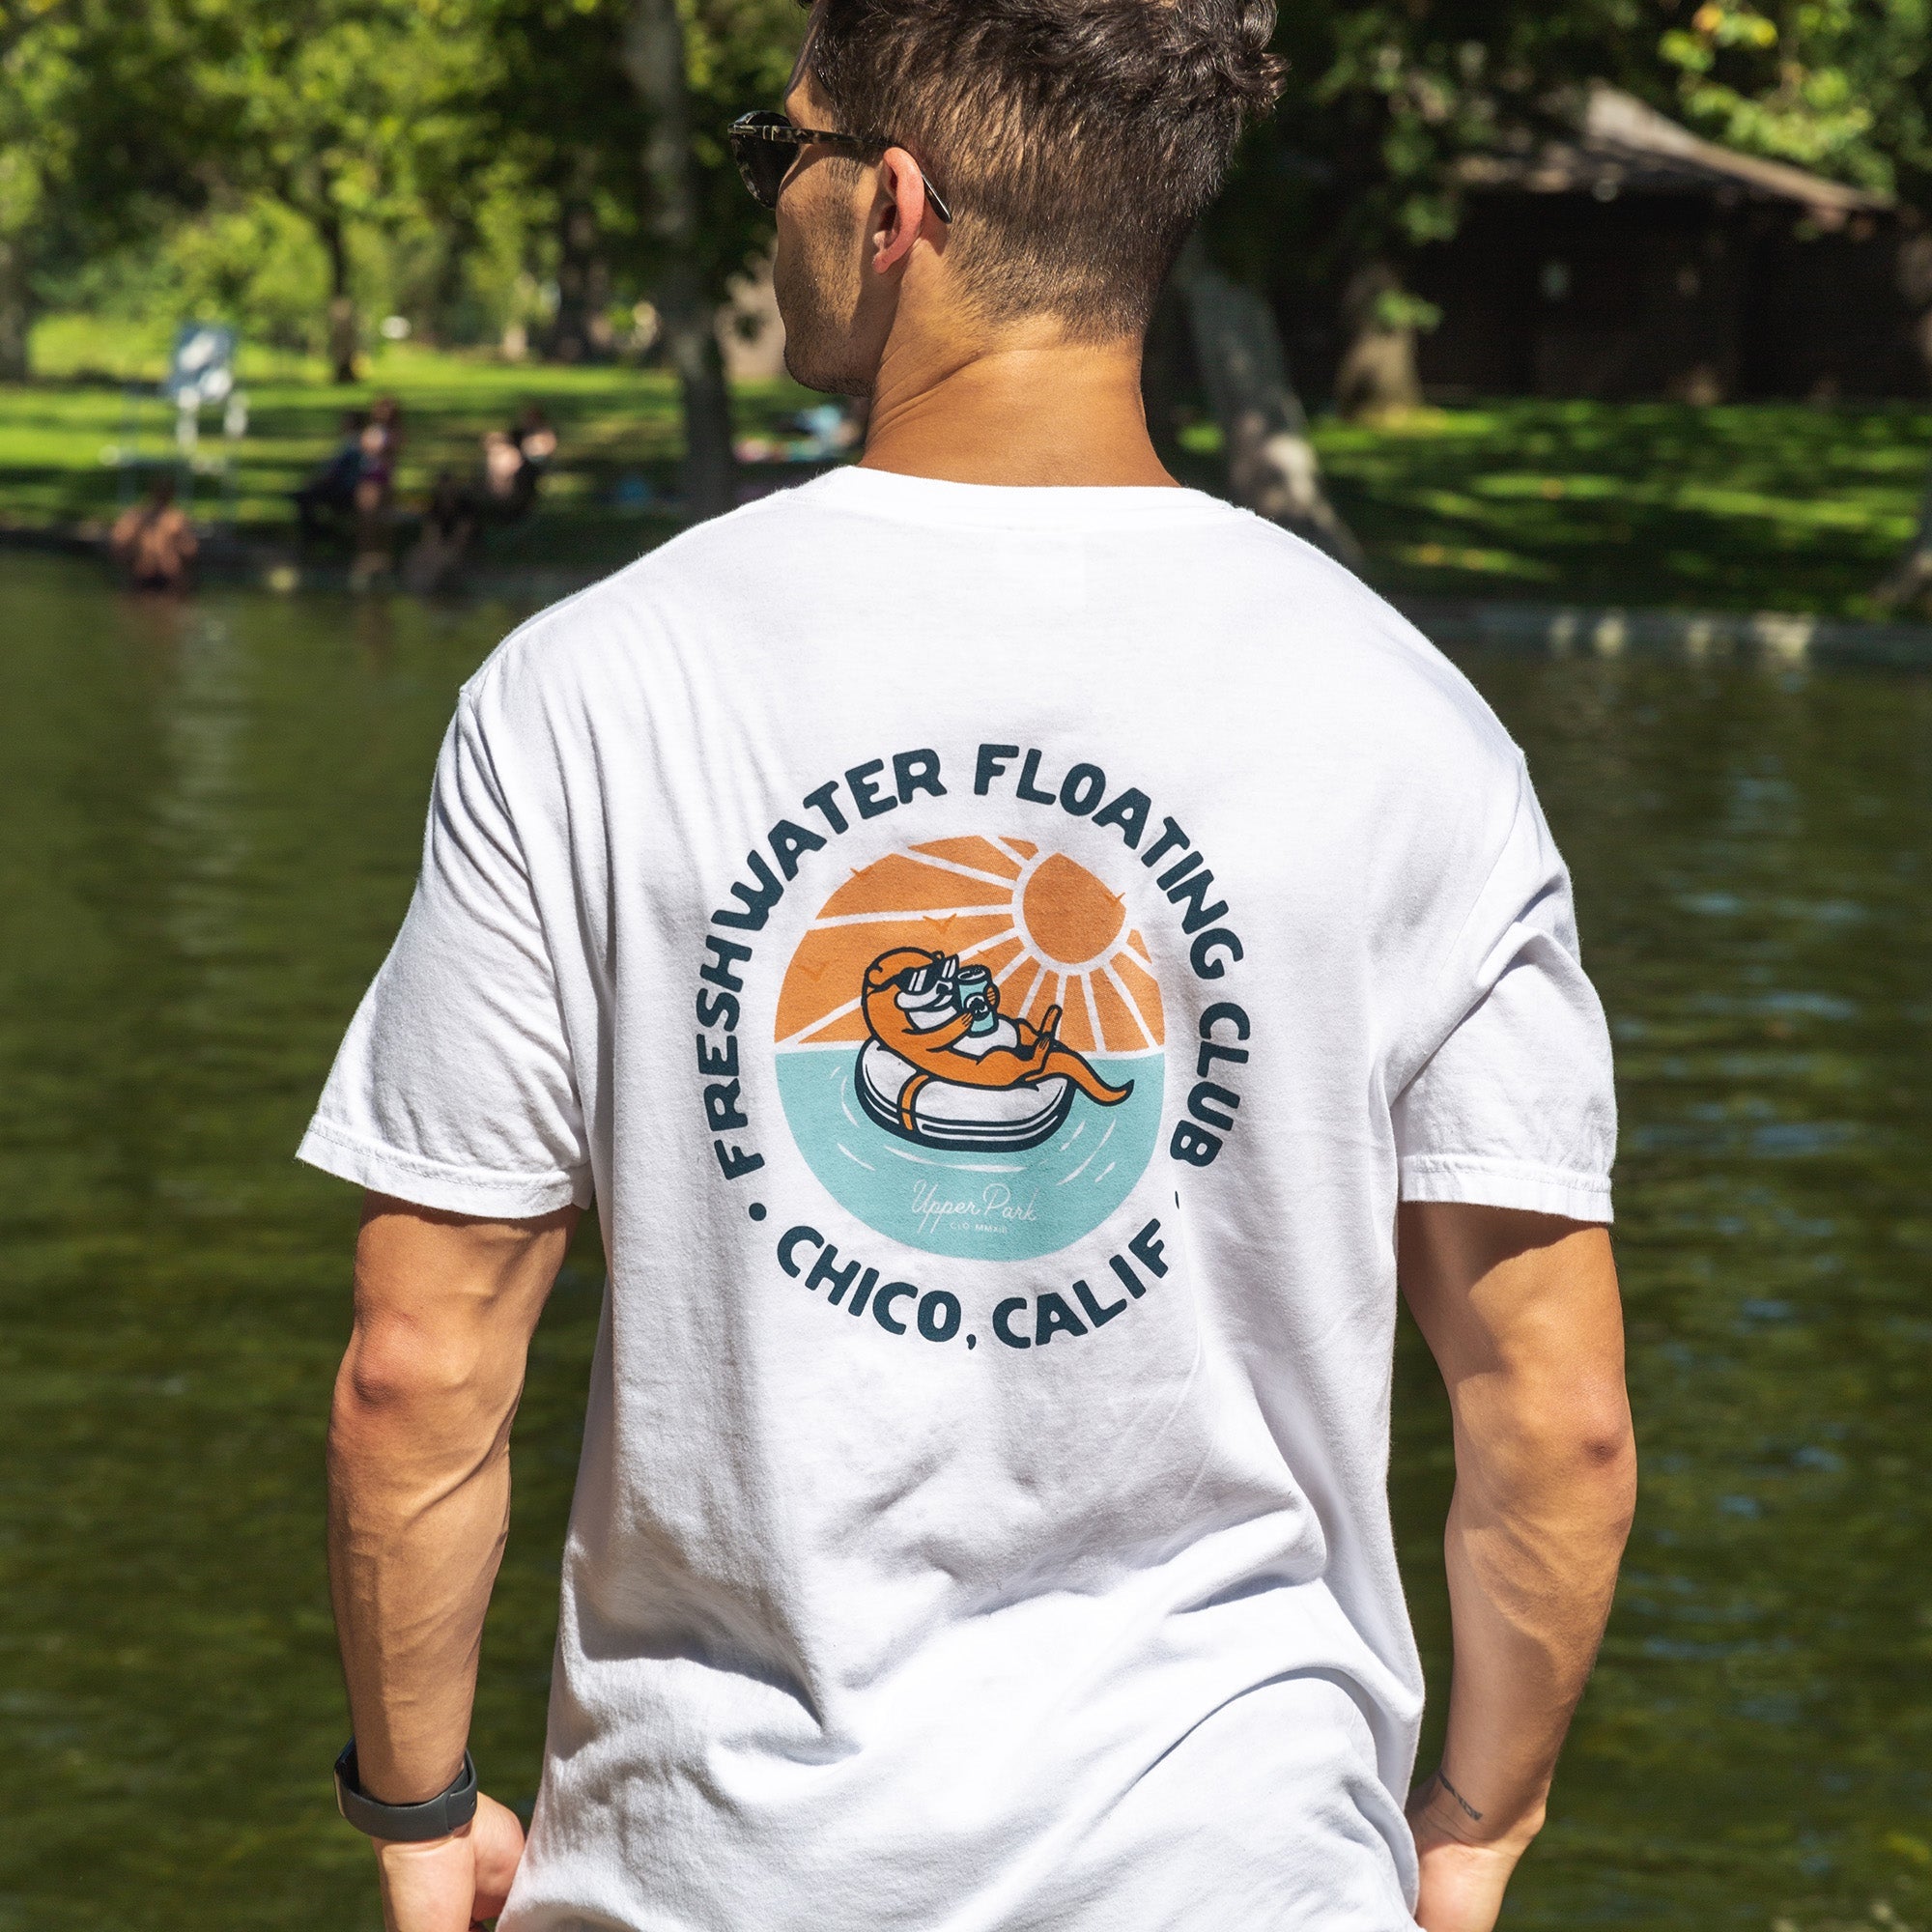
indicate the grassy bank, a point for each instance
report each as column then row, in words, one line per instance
column 74, row 445
column 1746, row 507
column 1755, row 506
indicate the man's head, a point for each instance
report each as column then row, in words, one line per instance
column 1075, row 141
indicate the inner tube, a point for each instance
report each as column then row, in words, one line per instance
column 938, row 1114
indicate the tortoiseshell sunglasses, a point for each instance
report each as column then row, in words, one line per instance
column 765, row 146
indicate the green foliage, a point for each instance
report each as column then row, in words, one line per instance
column 257, row 158
column 460, row 161
column 1837, row 85
column 562, row 109
column 1383, row 100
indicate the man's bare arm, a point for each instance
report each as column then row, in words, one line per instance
column 1522, row 1314
column 419, row 1509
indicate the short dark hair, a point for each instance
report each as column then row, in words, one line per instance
column 1077, row 141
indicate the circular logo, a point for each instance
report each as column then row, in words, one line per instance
column 969, row 1047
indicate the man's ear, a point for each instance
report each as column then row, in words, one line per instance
column 902, row 212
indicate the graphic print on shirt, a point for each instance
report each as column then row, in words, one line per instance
column 970, row 1047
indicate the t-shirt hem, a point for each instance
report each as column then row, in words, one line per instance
column 1482, row 1182
column 433, row 1183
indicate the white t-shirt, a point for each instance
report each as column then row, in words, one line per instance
column 995, row 957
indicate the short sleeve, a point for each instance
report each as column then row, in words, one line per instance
column 453, row 1088
column 1517, row 1106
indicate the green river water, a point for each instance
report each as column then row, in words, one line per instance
column 209, row 821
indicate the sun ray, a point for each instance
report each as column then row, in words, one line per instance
column 1018, row 1003
column 1127, row 1000
column 820, row 1025
column 928, row 857
column 950, row 898
column 1041, row 997
column 886, row 917
column 1093, row 1010
column 1145, row 992
column 1011, row 933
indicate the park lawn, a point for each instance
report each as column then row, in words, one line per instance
column 1756, row 506
column 74, row 447
column 1752, row 506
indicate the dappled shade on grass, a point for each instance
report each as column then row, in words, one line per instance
column 1758, row 506
column 613, row 422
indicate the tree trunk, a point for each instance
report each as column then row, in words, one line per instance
column 1271, row 464
column 343, row 335
column 17, row 310
column 570, row 337
column 654, row 60
column 1379, row 373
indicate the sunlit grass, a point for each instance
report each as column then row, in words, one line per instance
column 75, row 446
column 1761, row 506
column 1755, row 506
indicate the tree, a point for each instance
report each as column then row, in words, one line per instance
column 1359, row 167
column 1843, row 87
column 654, row 58
column 1271, row 464
column 79, row 80
column 331, row 107
column 615, row 110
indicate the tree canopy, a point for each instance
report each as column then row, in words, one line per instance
column 482, row 166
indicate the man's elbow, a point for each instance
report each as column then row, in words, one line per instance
column 1603, row 1454
column 398, row 1375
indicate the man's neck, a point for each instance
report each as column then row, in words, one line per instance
column 1014, row 411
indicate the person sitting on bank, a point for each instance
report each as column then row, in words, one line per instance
column 380, row 446
column 153, row 540
column 330, row 493
column 514, row 462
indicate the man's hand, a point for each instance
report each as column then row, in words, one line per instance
column 1463, row 1877
column 419, row 1508
column 1521, row 1313
column 451, row 1884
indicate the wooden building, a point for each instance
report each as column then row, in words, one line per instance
column 1631, row 259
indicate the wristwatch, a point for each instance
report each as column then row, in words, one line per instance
column 404, row 1824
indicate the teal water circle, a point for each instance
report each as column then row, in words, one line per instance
column 986, row 1203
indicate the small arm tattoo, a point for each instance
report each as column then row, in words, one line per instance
column 1442, row 1779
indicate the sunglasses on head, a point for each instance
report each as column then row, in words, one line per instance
column 765, row 145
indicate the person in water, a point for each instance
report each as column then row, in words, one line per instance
column 895, row 983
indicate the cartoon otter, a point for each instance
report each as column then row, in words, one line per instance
column 942, row 1024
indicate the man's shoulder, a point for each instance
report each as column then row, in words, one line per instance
column 1333, row 636
column 626, row 616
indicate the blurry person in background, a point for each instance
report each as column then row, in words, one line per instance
column 154, row 541
column 982, row 1517
column 535, row 437
column 380, row 446
column 443, row 546
column 515, row 462
column 330, row 493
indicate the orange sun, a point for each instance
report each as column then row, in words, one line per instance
column 1050, row 932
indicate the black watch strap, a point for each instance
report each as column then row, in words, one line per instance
column 404, row 1824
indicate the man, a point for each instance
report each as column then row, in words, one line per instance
column 982, row 1521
